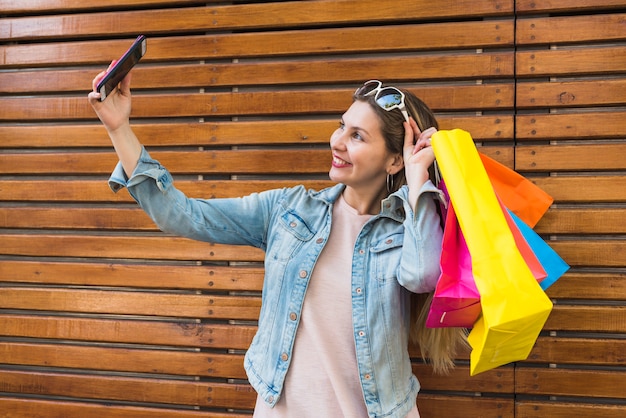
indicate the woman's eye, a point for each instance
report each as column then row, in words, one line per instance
column 342, row 125
column 357, row 136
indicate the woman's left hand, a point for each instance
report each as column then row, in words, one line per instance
column 418, row 154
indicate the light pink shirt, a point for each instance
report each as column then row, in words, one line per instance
column 323, row 379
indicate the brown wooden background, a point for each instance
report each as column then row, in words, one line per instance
column 101, row 315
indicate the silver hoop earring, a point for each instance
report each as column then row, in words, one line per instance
column 389, row 183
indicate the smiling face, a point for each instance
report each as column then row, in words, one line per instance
column 361, row 159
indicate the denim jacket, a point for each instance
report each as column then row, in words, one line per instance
column 397, row 251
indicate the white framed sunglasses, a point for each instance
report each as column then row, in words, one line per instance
column 388, row 98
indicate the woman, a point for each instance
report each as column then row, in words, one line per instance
column 340, row 264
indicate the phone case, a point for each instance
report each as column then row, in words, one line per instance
column 116, row 74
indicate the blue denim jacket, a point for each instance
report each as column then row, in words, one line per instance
column 397, row 251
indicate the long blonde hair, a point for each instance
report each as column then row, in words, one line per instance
column 439, row 346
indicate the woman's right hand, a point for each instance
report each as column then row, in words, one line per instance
column 114, row 112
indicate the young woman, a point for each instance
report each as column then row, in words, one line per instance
column 341, row 264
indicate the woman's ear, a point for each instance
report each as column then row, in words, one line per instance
column 396, row 165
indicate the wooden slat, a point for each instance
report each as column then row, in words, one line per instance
column 566, row 126
column 183, row 305
column 58, row 6
column 569, row 62
column 41, row 408
column 589, row 28
column 569, row 189
column 124, row 247
column 214, row 278
column 533, row 409
column 216, row 134
column 98, row 190
column 246, row 16
column 448, row 98
column 72, row 218
column 583, row 221
column 590, row 286
column 555, row 382
column 287, row 161
column 188, row 333
column 127, row 360
column 173, row 392
column 573, row 94
column 493, row 381
column 533, row 6
column 587, row 318
column 596, row 351
column 600, row 157
column 431, row 405
column 591, row 253
column 278, row 43
column 426, row 67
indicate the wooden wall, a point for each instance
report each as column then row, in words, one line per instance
column 101, row 315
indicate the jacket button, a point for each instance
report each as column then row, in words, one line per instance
column 361, row 251
column 284, row 357
column 303, row 273
column 319, row 240
column 389, row 241
column 361, row 333
column 358, row 290
column 270, row 399
column 292, row 224
column 367, row 376
column 293, row 316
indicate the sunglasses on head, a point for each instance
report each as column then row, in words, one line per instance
column 388, row 98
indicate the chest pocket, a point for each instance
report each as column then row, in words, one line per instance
column 386, row 254
column 289, row 237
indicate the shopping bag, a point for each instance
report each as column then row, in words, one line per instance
column 519, row 195
column 456, row 301
column 528, row 254
column 514, row 307
column 553, row 265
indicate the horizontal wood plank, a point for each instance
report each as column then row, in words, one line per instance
column 570, row 157
column 570, row 62
column 123, row 247
column 220, row 134
column 172, row 392
column 203, row 277
column 572, row 94
column 533, row 409
column 270, row 161
column 611, row 319
column 567, row 382
column 60, row 190
column 41, row 408
column 158, row 362
column 448, row 98
column 590, row 286
column 436, row 405
column 339, row 70
column 459, row 380
column 242, row 16
column 578, row 189
column 591, row 253
column 532, row 6
column 575, row 125
column 595, row 351
column 582, row 221
column 557, row 30
column 220, row 162
column 59, row 6
column 131, row 303
column 185, row 333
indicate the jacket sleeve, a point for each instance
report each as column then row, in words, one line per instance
column 236, row 221
column 421, row 251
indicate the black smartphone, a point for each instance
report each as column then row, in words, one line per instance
column 122, row 67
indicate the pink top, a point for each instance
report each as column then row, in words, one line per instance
column 323, row 379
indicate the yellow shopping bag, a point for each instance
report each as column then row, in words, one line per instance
column 514, row 307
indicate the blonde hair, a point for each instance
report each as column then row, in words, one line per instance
column 438, row 346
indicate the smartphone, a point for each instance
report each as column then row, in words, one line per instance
column 122, row 67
